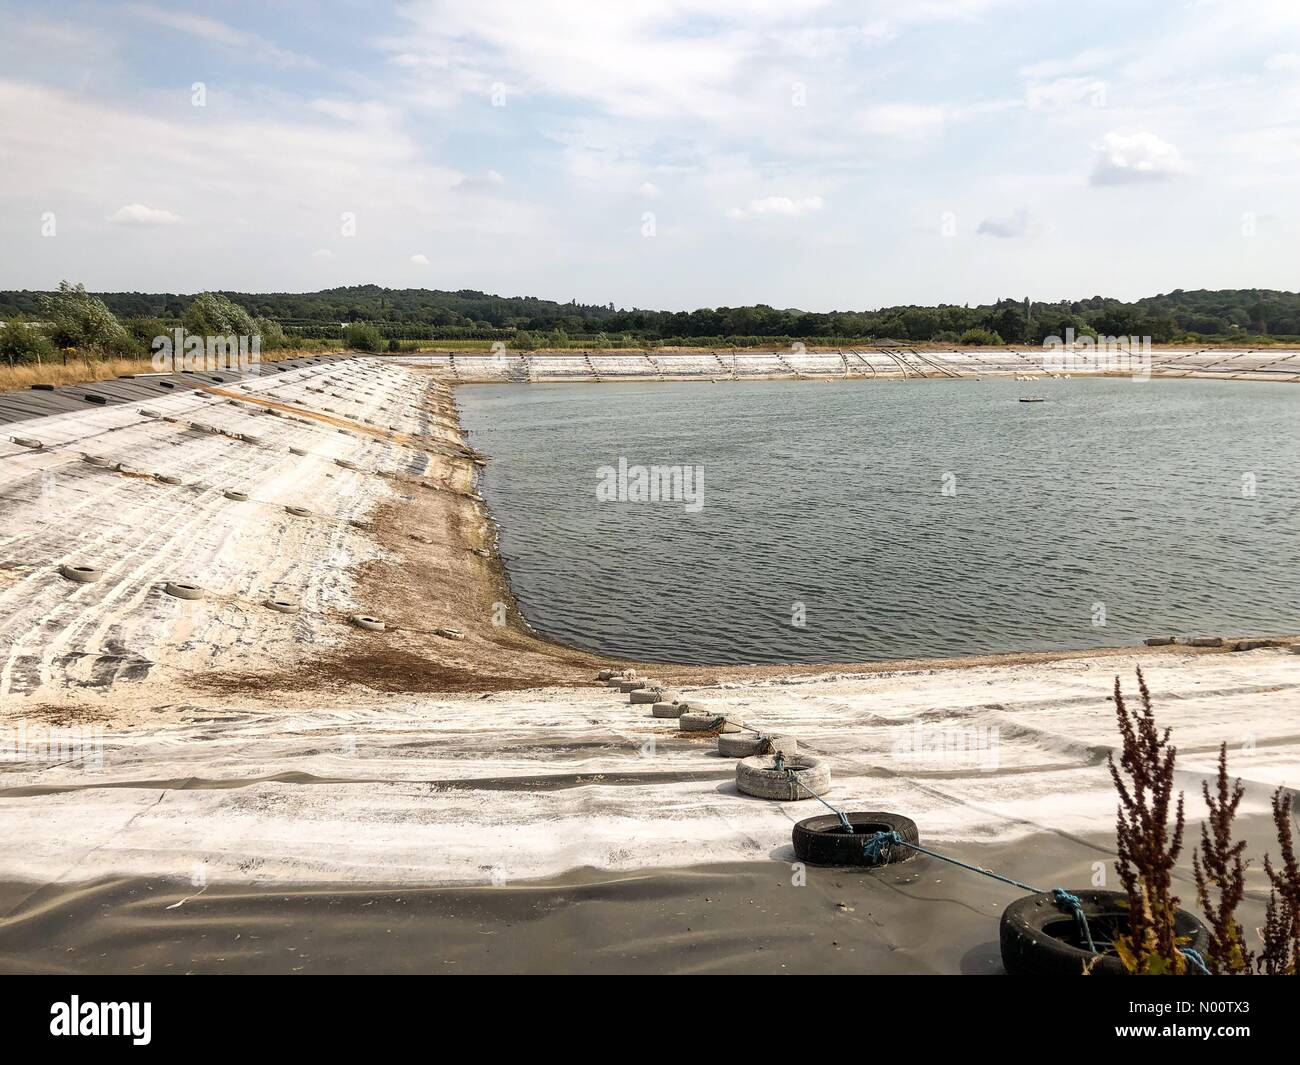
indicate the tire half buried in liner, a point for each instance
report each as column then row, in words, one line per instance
column 1039, row 936
column 822, row 840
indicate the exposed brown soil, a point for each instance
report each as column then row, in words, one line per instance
column 441, row 572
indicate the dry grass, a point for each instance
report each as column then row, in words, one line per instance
column 81, row 371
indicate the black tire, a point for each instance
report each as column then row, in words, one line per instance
column 822, row 840
column 1039, row 936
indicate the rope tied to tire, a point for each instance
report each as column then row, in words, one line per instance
column 877, row 850
column 778, row 765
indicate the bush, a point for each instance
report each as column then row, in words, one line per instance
column 21, row 341
column 272, row 335
column 80, row 320
column 363, row 337
column 212, row 314
column 980, row 336
column 144, row 330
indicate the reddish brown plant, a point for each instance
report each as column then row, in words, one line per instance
column 1221, row 875
column 1147, row 845
column 1280, row 935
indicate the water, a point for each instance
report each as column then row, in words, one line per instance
column 1113, row 511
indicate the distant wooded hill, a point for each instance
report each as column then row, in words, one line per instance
column 1226, row 314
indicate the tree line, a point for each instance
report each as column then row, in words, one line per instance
column 377, row 317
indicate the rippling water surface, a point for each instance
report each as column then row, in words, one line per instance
column 1124, row 503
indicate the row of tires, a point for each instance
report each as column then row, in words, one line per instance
column 1037, row 936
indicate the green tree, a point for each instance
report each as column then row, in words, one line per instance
column 980, row 336
column 212, row 314
column 24, row 341
column 79, row 320
column 363, row 337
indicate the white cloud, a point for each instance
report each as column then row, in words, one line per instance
column 782, row 206
column 649, row 190
column 420, row 260
column 1283, row 61
column 1017, row 225
column 137, row 214
column 249, row 45
column 1136, row 157
column 902, row 120
column 1064, row 92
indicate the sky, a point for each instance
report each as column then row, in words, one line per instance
column 667, row 154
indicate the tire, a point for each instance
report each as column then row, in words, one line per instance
column 756, row 776
column 299, row 512
column 80, row 574
column 746, row 744
column 671, row 710
column 238, row 497
column 1037, row 935
column 365, row 621
column 692, row 721
column 27, row 441
column 167, row 478
column 822, row 840
column 179, row 590
column 632, row 685
column 283, row 606
column 650, row 695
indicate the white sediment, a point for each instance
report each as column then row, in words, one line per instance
column 531, row 784
column 464, row 789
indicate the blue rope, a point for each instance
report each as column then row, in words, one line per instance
column 1064, row 898
column 877, row 850
column 1194, row 956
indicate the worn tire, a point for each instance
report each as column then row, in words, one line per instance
column 667, row 709
column 181, row 590
column 238, row 497
column 755, row 776
column 365, row 621
column 299, row 512
column 693, row 721
column 745, row 744
column 283, row 606
column 1037, row 936
column 27, row 441
column 822, row 840
column 632, row 685
column 646, row 695
column 80, row 574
